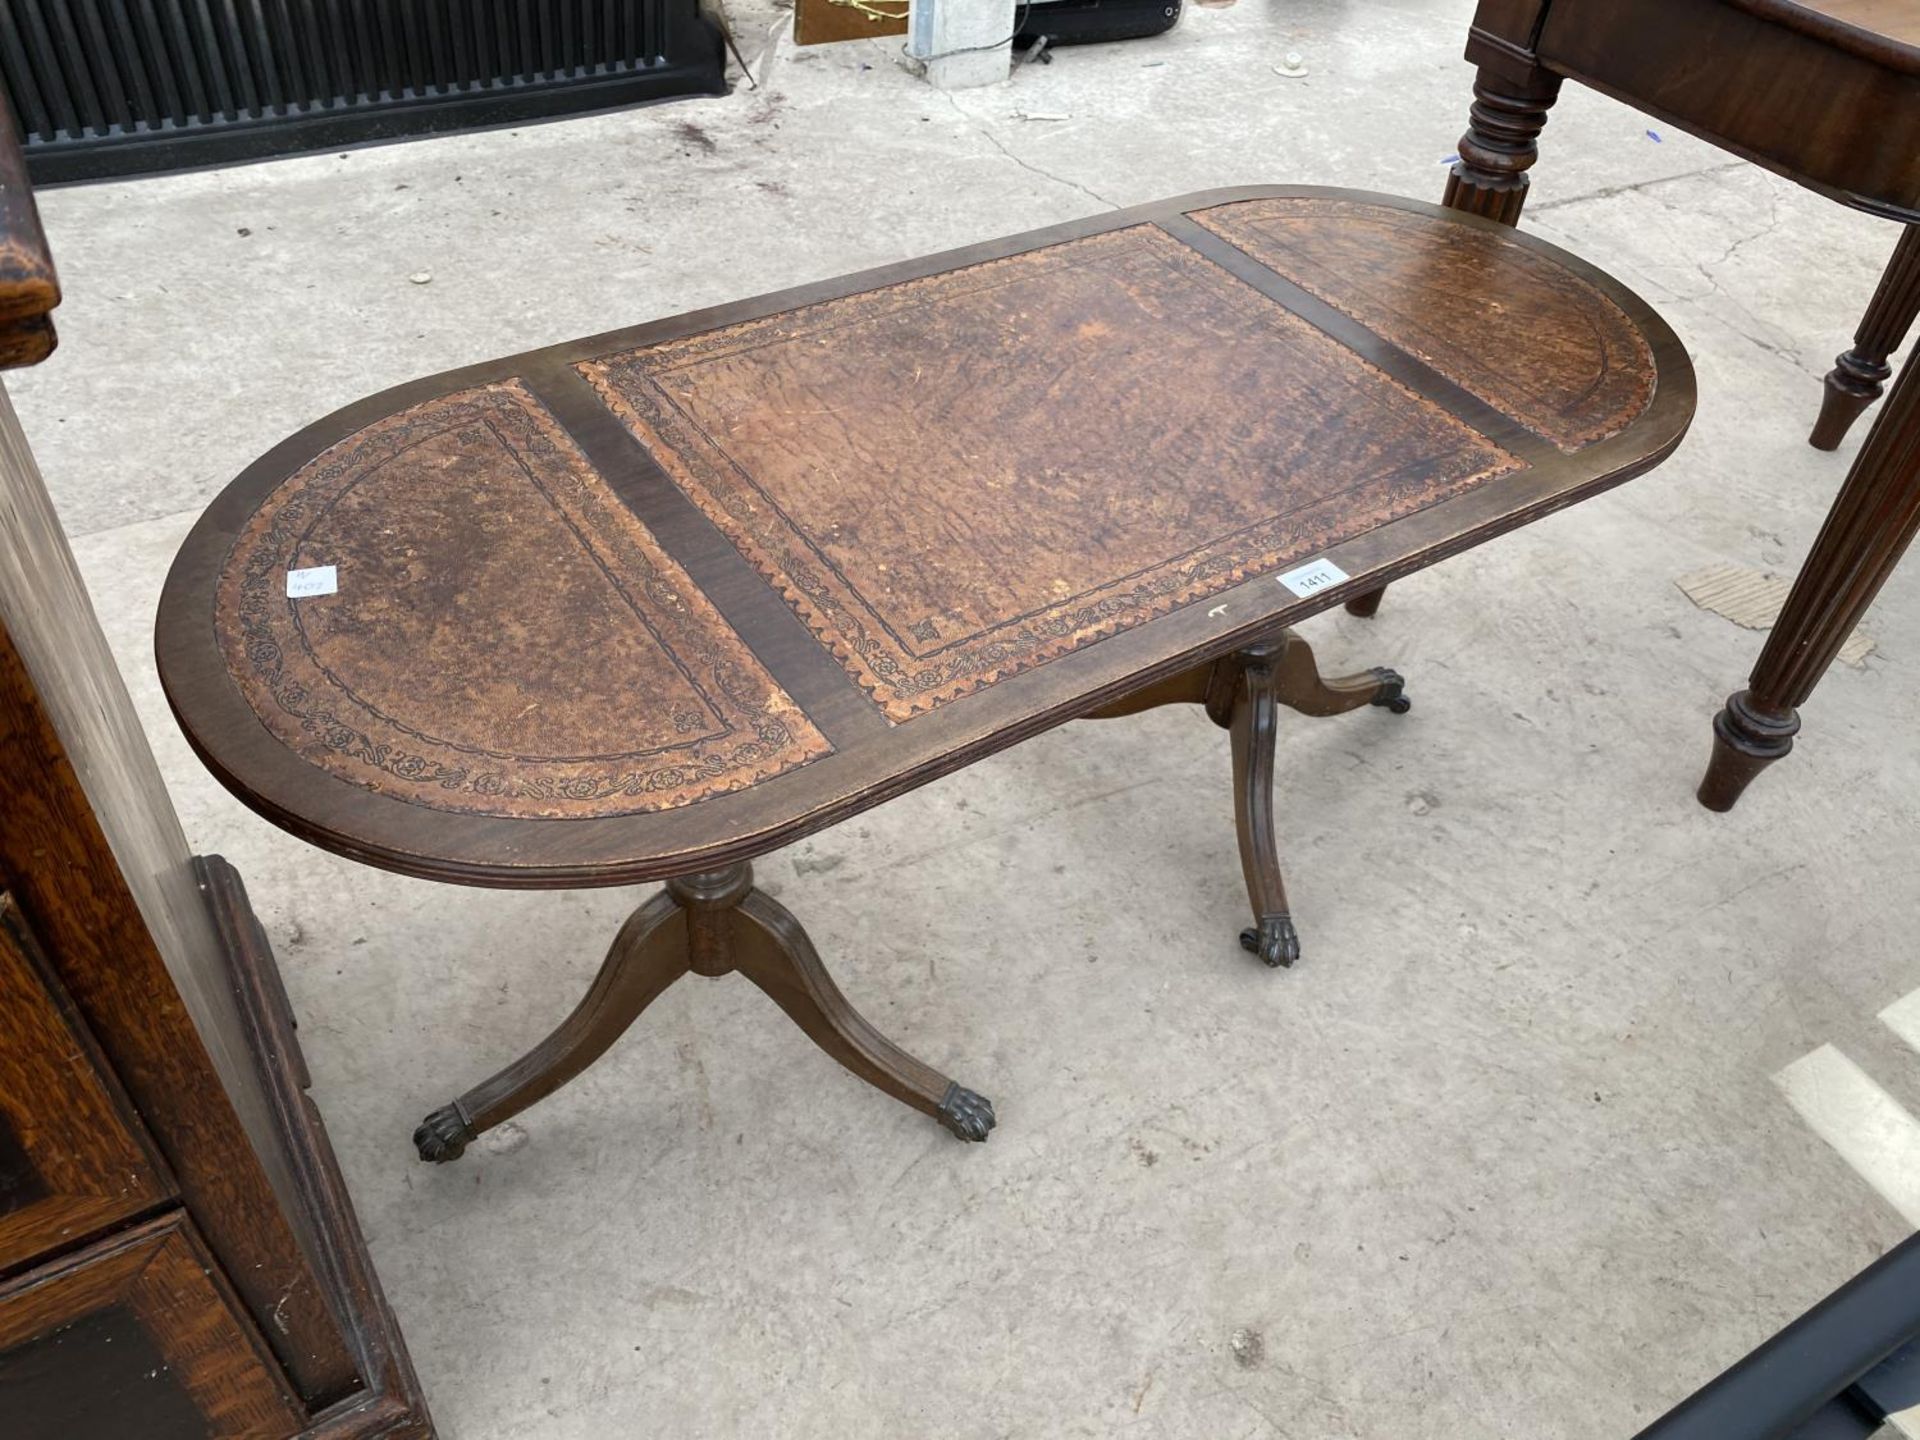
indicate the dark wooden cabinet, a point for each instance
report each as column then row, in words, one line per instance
column 74, row 1158
column 178, row 1255
column 136, row 1336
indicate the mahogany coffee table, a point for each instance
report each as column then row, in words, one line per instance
column 647, row 606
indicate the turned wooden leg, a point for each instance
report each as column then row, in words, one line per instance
column 1500, row 146
column 709, row 925
column 1865, row 533
column 1858, row 376
column 774, row 953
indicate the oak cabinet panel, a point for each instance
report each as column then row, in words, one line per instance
column 135, row 1336
column 72, row 1159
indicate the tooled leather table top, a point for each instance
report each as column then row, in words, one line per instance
column 649, row 602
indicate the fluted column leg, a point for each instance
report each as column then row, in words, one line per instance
column 1864, row 536
column 1859, row 375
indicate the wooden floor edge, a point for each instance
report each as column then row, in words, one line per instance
column 392, row 1405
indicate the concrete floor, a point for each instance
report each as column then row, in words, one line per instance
column 1504, row 1156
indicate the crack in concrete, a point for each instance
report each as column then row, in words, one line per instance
column 980, row 128
column 1706, row 269
column 1745, row 322
column 1609, row 191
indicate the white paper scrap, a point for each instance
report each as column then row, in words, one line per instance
column 315, row 580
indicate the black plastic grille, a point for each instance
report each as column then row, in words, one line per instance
column 111, row 86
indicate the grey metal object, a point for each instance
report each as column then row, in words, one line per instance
column 1836, row 1373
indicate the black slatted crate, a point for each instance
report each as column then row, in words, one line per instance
column 116, row 87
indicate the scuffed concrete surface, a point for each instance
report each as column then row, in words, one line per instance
column 1501, row 1157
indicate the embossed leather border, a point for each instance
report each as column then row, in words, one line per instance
column 1590, row 329
column 889, row 656
column 754, row 731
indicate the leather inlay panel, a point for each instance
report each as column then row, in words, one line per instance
column 507, row 638
column 1503, row 322
column 955, row 479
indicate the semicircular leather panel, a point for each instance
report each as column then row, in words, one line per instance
column 504, row 636
column 1501, row 320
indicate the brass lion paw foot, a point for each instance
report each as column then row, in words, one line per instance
column 442, row 1136
column 1393, row 688
column 967, row 1115
column 1274, row 941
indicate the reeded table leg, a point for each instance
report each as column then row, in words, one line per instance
column 710, row 925
column 1243, row 693
column 1865, row 533
column 1859, row 375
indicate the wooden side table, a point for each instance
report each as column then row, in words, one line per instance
column 648, row 606
column 1827, row 93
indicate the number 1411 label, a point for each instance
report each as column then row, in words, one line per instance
column 1312, row 578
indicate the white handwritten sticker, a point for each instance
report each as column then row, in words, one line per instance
column 317, row 580
column 1312, row 578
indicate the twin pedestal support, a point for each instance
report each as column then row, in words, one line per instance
column 718, row 924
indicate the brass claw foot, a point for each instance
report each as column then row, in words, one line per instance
column 443, row 1136
column 1393, row 687
column 967, row 1115
column 1275, row 941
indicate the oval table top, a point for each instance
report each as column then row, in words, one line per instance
column 664, row 599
